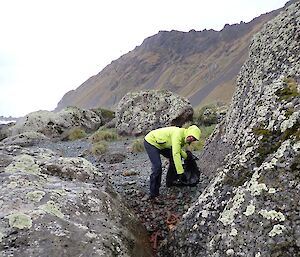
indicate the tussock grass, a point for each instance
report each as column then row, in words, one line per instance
column 206, row 116
column 137, row 146
column 104, row 135
column 290, row 90
column 76, row 133
column 99, row 148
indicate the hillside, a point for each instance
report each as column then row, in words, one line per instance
column 199, row 65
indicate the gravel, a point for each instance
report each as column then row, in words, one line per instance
column 130, row 178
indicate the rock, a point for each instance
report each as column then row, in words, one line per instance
column 26, row 139
column 110, row 124
column 140, row 112
column 250, row 207
column 112, row 157
column 5, row 130
column 54, row 125
column 53, row 206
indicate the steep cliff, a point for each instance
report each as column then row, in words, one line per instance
column 199, row 65
column 251, row 206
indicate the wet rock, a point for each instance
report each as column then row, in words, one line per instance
column 66, row 211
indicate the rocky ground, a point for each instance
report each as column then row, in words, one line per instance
column 129, row 174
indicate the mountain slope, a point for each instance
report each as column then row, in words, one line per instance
column 201, row 66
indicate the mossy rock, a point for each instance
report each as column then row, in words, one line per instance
column 289, row 91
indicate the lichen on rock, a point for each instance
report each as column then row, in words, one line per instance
column 19, row 220
column 140, row 112
column 23, row 163
column 254, row 157
column 35, row 196
column 52, row 208
column 75, row 212
column 273, row 215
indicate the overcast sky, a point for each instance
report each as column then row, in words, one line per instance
column 49, row 47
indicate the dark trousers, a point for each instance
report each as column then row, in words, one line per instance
column 154, row 156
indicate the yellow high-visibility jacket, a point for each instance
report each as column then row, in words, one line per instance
column 175, row 138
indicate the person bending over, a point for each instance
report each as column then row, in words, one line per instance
column 168, row 141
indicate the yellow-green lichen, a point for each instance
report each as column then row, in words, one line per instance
column 52, row 208
column 12, row 185
column 23, row 163
column 273, row 215
column 272, row 190
column 17, row 181
column 19, row 220
column 233, row 232
column 35, row 196
column 227, row 216
column 254, row 187
column 249, row 210
column 277, row 230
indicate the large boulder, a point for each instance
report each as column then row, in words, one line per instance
column 140, row 112
column 54, row 206
column 251, row 206
column 55, row 125
column 26, row 139
column 5, row 130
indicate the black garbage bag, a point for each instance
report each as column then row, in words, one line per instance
column 191, row 172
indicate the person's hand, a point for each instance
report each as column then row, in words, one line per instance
column 190, row 156
column 182, row 178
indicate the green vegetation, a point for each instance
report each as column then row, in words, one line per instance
column 206, row 120
column 238, row 178
column 289, row 91
column 197, row 146
column 296, row 163
column 107, row 115
column 137, row 146
column 100, row 138
column 206, row 131
column 272, row 140
column 206, row 116
column 289, row 112
column 99, row 148
column 76, row 133
column 104, row 135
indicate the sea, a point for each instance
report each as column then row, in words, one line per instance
column 6, row 121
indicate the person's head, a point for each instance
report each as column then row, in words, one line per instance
column 193, row 134
column 190, row 139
